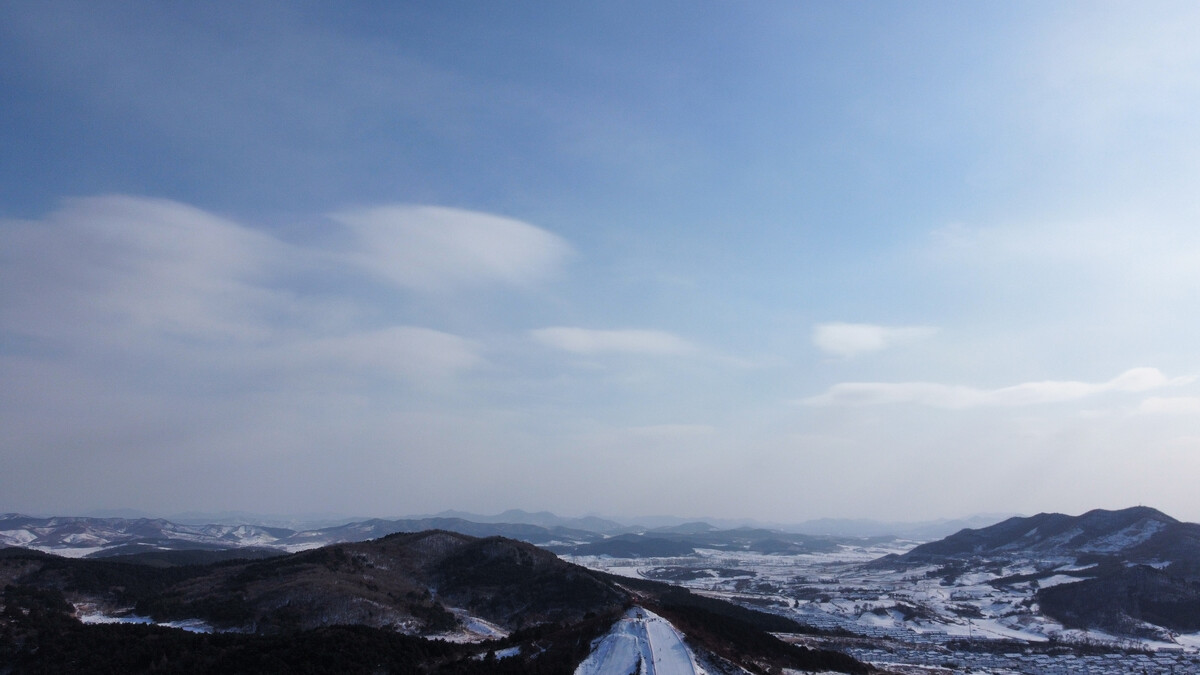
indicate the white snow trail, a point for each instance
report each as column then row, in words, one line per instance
column 641, row 636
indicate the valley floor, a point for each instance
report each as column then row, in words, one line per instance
column 917, row 618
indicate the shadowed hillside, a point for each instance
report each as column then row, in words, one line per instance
column 361, row 607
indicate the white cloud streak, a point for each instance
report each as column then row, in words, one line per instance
column 848, row 340
column 430, row 248
column 152, row 278
column 116, row 265
column 591, row 342
column 1170, row 405
column 956, row 397
column 403, row 351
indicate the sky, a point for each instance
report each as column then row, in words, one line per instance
column 772, row 260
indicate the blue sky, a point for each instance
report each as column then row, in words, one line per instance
column 768, row 260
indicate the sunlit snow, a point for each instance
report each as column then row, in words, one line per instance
column 189, row 625
column 641, row 637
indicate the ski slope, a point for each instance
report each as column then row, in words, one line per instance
column 645, row 638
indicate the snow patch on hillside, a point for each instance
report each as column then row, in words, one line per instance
column 472, row 629
column 1058, row 579
column 16, row 537
column 78, row 552
column 1126, row 538
column 189, row 625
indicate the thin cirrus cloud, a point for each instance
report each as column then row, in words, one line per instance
column 133, row 274
column 428, row 248
column 403, row 351
column 1170, row 405
column 848, row 340
column 673, row 431
column 119, row 265
column 159, row 265
column 956, row 397
column 630, row 341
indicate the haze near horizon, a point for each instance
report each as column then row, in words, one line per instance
column 770, row 261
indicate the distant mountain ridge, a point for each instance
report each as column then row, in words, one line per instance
column 104, row 537
column 1140, row 534
column 1138, row 569
column 685, row 540
column 75, row 535
column 540, row 518
column 83, row 536
column 98, row 533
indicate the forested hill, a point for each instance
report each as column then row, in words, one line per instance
column 380, row 600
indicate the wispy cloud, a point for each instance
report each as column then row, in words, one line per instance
column 1170, row 405
column 1112, row 69
column 148, row 277
column 674, row 431
column 958, row 397
column 851, row 339
column 404, row 351
column 430, row 248
column 109, row 266
column 588, row 341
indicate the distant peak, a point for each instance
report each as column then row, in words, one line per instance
column 1133, row 512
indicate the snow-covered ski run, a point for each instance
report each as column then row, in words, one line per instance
column 641, row 642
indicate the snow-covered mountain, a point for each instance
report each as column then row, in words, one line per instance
column 78, row 537
column 88, row 535
column 1138, row 534
column 1135, row 571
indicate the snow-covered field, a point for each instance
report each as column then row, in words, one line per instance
column 72, row 552
column 641, row 642
column 922, row 608
column 835, row 589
